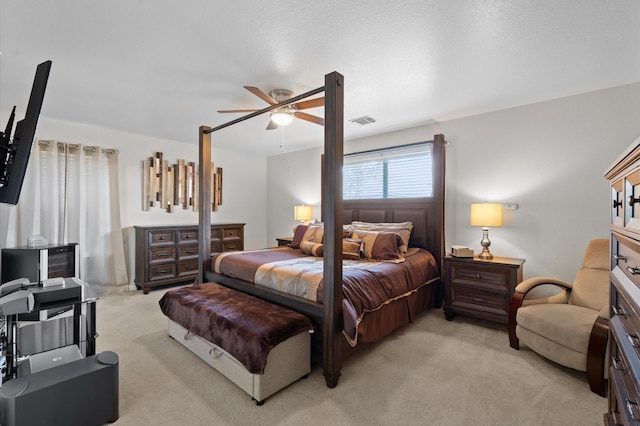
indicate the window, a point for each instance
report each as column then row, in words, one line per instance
column 398, row 172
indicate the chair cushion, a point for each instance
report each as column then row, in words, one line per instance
column 566, row 325
column 596, row 256
column 590, row 289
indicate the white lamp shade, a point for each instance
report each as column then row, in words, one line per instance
column 281, row 118
column 486, row 214
column 303, row 213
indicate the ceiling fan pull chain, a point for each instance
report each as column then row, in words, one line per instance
column 281, row 138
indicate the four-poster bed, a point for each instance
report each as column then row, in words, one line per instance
column 426, row 215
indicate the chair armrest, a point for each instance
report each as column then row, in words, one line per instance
column 528, row 285
column 521, row 292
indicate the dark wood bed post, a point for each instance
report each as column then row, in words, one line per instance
column 204, row 212
column 332, row 213
column 439, row 148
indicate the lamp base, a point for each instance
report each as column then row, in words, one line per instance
column 485, row 243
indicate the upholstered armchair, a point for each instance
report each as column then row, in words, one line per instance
column 570, row 328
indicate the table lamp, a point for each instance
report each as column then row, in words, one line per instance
column 303, row 213
column 486, row 215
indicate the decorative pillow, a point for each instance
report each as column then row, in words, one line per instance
column 298, row 233
column 351, row 249
column 380, row 245
column 311, row 248
column 401, row 228
column 314, row 234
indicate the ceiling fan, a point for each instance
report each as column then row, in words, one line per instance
column 284, row 115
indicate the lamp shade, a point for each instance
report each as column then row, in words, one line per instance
column 303, row 213
column 281, row 118
column 486, row 214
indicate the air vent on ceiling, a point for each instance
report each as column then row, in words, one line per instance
column 363, row 120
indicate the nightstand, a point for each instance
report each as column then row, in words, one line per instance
column 283, row 241
column 480, row 288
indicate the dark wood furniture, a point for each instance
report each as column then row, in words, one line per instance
column 624, row 325
column 169, row 254
column 427, row 213
column 284, row 241
column 480, row 288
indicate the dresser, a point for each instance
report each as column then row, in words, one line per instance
column 169, row 254
column 624, row 325
column 480, row 288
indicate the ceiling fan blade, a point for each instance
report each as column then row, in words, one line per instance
column 237, row 110
column 272, row 125
column 259, row 93
column 309, row 117
column 311, row 103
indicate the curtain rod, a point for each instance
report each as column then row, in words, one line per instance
column 267, row 109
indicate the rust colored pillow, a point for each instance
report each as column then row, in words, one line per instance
column 298, row 233
column 380, row 245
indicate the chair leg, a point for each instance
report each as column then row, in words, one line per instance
column 596, row 354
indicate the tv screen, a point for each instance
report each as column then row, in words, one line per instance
column 14, row 153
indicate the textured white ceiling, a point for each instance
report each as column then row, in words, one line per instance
column 163, row 68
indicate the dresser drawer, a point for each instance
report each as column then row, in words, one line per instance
column 162, row 271
column 232, row 245
column 480, row 277
column 162, row 237
column 188, row 251
column 628, row 261
column 187, row 236
column 188, row 267
column 162, row 254
column 622, row 374
column 480, row 299
column 231, row 233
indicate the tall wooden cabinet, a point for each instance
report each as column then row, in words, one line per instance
column 624, row 370
column 169, row 254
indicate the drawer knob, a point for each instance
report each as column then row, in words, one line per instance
column 635, row 341
column 619, row 257
column 618, row 311
column 478, row 276
column 631, row 201
column 161, row 237
column 616, row 204
column 632, row 406
column 616, row 364
column 633, row 270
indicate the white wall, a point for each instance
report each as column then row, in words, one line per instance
column 244, row 186
column 548, row 157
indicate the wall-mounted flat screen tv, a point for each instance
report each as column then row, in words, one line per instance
column 14, row 152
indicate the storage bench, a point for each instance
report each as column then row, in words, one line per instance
column 259, row 346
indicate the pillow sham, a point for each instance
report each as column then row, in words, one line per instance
column 314, row 233
column 403, row 229
column 298, row 233
column 380, row 245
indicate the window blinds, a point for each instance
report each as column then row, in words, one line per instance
column 399, row 172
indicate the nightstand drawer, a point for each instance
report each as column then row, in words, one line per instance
column 481, row 288
column 480, row 299
column 489, row 278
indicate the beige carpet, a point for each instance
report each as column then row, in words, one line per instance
column 434, row 372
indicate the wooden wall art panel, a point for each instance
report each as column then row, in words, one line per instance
column 166, row 186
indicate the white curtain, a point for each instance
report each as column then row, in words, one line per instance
column 71, row 195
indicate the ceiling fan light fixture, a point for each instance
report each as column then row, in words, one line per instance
column 282, row 118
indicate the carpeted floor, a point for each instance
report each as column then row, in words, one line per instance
column 434, row 372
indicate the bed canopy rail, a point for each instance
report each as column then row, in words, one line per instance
column 332, row 212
